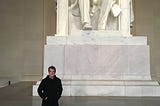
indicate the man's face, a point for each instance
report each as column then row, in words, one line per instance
column 51, row 72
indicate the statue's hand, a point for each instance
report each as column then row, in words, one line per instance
column 115, row 10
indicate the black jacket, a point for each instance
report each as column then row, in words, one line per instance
column 50, row 88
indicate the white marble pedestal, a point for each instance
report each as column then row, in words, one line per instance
column 101, row 66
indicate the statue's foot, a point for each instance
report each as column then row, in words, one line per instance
column 87, row 26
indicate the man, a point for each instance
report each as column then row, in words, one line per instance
column 50, row 89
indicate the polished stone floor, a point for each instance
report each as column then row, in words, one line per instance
column 20, row 95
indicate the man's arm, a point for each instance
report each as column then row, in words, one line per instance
column 41, row 90
column 60, row 89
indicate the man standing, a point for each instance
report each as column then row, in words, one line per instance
column 50, row 88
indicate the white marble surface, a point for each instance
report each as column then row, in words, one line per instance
column 114, row 62
column 62, row 18
column 109, row 82
column 108, row 90
column 125, row 17
column 103, row 77
column 105, row 82
column 92, row 39
column 101, row 66
column 142, row 90
column 54, row 56
column 65, row 22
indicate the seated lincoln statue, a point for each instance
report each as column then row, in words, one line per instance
column 93, row 15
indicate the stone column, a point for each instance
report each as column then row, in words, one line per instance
column 125, row 17
column 62, row 18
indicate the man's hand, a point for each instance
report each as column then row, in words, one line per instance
column 46, row 98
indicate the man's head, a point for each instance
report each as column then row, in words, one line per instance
column 51, row 71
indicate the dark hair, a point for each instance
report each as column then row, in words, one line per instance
column 51, row 67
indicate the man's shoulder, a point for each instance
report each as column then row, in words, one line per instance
column 45, row 79
column 58, row 78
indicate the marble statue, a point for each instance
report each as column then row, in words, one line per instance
column 84, row 6
column 110, row 15
column 81, row 8
column 106, row 7
column 88, row 8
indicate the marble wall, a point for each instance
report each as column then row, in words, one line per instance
column 21, row 39
column 147, row 22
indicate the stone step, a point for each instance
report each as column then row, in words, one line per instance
column 110, row 90
column 100, row 39
column 122, row 90
column 107, row 88
column 108, row 83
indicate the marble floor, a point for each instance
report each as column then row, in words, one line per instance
column 19, row 94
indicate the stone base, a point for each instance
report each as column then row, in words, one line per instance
column 107, row 88
column 92, row 62
column 92, row 39
column 101, row 66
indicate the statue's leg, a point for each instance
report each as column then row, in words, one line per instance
column 105, row 9
column 84, row 6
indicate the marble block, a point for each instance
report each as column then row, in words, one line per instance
column 108, row 88
column 55, row 57
column 109, row 62
column 94, row 39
